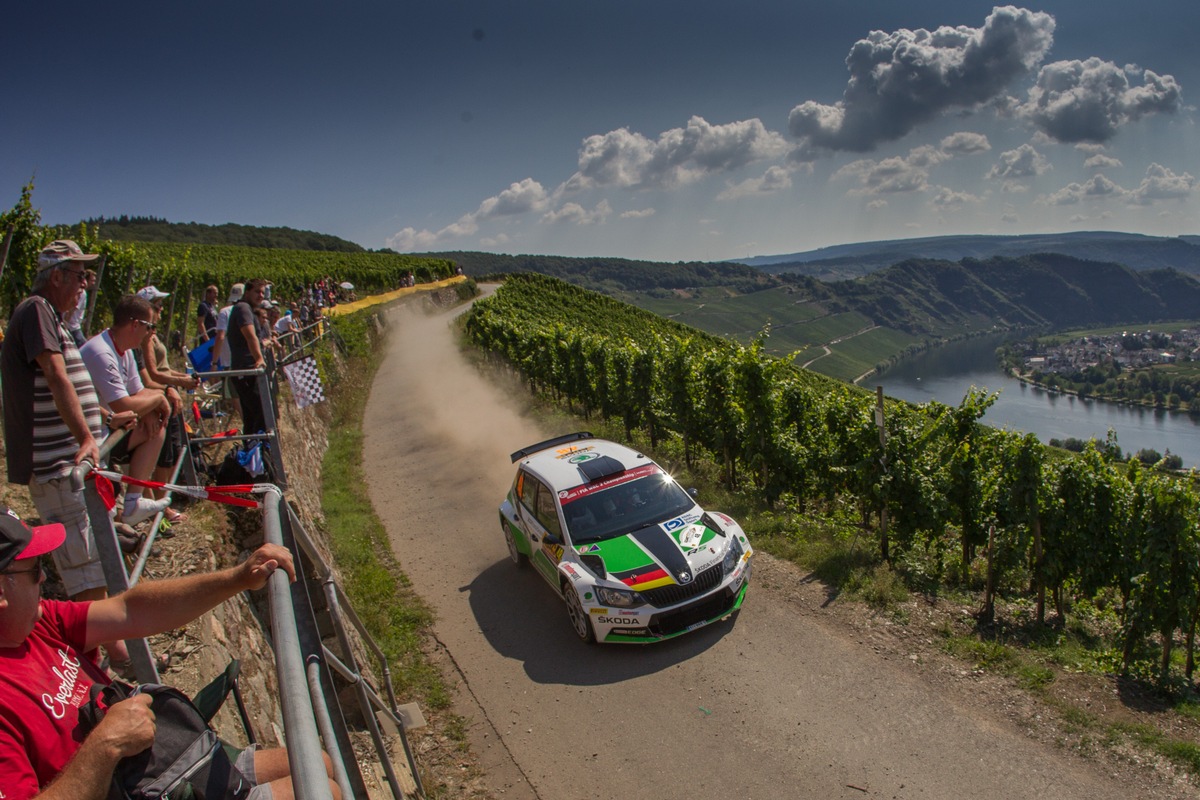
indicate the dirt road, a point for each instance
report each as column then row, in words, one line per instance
column 774, row 705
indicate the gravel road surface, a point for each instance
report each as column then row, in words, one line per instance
column 774, row 704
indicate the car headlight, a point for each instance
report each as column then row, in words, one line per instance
column 732, row 556
column 621, row 598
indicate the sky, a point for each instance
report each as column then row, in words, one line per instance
column 654, row 129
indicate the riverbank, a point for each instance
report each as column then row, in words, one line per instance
column 947, row 374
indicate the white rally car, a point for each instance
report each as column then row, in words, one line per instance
column 629, row 551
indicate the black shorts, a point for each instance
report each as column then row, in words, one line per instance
column 119, row 455
column 173, row 444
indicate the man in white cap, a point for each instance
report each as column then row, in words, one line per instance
column 52, row 415
column 46, row 647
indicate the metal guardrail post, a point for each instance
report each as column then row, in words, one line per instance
column 309, row 780
column 317, row 692
column 269, row 419
column 144, row 553
column 366, row 695
column 340, row 748
column 104, row 534
column 364, row 701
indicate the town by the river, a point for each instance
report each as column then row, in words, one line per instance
column 945, row 374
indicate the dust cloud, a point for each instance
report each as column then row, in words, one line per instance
column 464, row 424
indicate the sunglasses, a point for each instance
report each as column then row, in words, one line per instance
column 150, row 326
column 39, row 569
column 80, row 274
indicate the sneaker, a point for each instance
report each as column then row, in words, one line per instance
column 143, row 508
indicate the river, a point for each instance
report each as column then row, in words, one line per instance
column 946, row 374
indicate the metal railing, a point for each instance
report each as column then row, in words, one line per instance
column 304, row 663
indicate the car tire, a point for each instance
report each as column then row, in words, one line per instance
column 580, row 620
column 518, row 558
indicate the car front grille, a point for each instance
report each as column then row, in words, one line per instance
column 666, row 596
column 670, row 622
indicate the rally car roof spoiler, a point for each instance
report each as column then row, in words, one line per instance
column 525, row 452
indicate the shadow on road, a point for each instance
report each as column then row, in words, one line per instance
column 524, row 619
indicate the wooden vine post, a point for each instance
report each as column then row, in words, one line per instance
column 883, row 513
column 91, row 309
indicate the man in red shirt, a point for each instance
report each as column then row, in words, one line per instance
column 44, row 680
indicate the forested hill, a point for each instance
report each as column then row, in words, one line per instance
column 614, row 274
column 921, row 297
column 925, row 296
column 1136, row 251
column 153, row 229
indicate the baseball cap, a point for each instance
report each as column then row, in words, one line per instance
column 18, row 540
column 152, row 293
column 60, row 251
column 236, row 291
column 266, row 304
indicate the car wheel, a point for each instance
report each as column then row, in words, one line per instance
column 516, row 555
column 578, row 614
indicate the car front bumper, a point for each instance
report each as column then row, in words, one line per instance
column 648, row 624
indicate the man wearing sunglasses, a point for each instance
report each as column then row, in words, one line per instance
column 52, row 415
column 45, row 644
column 109, row 357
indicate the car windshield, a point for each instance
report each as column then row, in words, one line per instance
column 617, row 510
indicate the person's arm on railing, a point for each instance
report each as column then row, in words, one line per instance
column 157, row 606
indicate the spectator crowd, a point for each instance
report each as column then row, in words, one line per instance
column 63, row 396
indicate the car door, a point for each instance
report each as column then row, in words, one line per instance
column 539, row 518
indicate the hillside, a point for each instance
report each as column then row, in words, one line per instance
column 1136, row 251
column 154, row 229
column 1054, row 291
column 847, row 328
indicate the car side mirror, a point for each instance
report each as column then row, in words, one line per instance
column 552, row 538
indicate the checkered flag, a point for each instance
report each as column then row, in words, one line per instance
column 305, row 381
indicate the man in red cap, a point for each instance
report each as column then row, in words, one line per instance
column 44, row 679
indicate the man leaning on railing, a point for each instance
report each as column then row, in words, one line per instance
column 44, row 682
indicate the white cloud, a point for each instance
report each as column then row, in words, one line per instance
column 908, row 173
column 411, row 240
column 519, row 198
column 899, row 80
column 965, row 143
column 1010, row 218
column 1096, row 187
column 1087, row 101
column 945, row 197
column 1023, row 162
column 877, row 204
column 578, row 215
column 640, row 213
column 1161, row 183
column 1101, row 161
column 679, row 156
column 775, row 179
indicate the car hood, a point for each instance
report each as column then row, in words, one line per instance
column 674, row 552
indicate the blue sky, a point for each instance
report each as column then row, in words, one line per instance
column 651, row 129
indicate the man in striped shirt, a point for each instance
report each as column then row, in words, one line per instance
column 52, row 416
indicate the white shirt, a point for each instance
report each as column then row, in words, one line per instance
column 74, row 319
column 114, row 375
column 224, row 357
